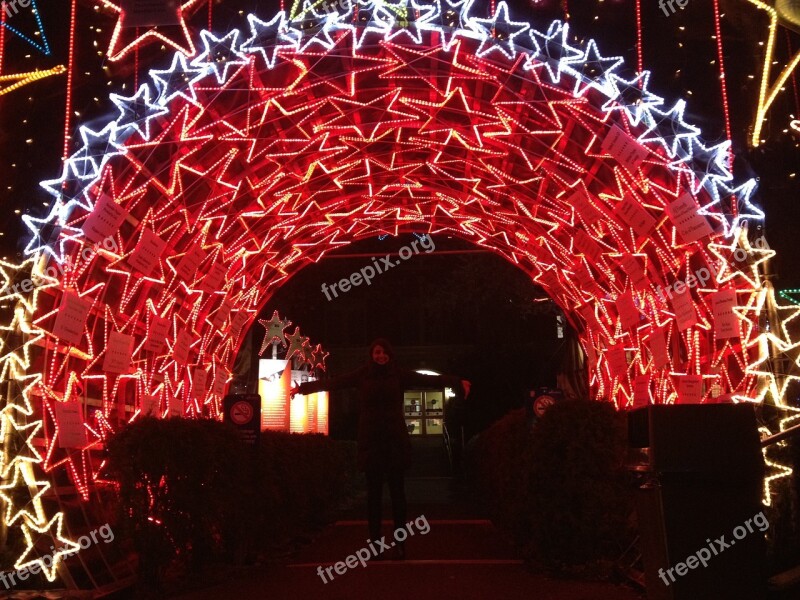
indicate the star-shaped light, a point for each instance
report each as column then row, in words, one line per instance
column 126, row 38
column 498, row 32
column 19, row 441
column 555, row 51
column 177, row 80
column 593, row 71
column 296, row 343
column 268, row 38
column 319, row 357
column 740, row 260
column 21, row 483
column 313, row 31
column 276, row 331
column 220, row 54
column 632, row 96
column 39, row 544
column 98, row 147
column 372, row 19
column 137, row 111
column 410, row 26
column 670, row 130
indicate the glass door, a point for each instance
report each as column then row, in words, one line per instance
column 434, row 412
column 424, row 412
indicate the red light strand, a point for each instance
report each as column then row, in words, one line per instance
column 722, row 80
column 2, row 38
column 136, row 65
column 70, row 73
column 211, row 14
column 639, row 49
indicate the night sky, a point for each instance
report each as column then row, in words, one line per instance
column 680, row 50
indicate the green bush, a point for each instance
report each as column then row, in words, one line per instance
column 499, row 466
column 559, row 487
column 191, row 490
column 581, row 498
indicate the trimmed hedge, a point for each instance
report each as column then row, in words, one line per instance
column 559, row 487
column 191, row 491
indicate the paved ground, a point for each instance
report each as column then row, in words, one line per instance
column 455, row 560
column 462, row 557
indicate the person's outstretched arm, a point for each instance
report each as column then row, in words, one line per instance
column 341, row 382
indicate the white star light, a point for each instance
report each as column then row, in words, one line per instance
column 706, row 165
column 632, row 96
column 500, row 24
column 322, row 25
column 593, row 71
column 220, row 54
column 555, row 53
column 177, row 80
column 670, row 130
column 137, row 111
column 372, row 18
column 268, row 37
column 415, row 26
column 98, row 147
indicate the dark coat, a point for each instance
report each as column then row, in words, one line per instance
column 383, row 439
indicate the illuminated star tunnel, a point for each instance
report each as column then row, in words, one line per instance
column 226, row 174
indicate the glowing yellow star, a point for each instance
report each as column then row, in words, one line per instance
column 24, row 481
column 12, row 433
column 42, row 537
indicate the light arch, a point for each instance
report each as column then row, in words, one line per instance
column 225, row 174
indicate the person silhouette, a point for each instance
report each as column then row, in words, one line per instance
column 384, row 445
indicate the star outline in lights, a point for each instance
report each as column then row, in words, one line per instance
column 224, row 47
column 636, row 110
column 117, row 49
column 67, row 549
column 131, row 117
column 278, row 30
column 601, row 82
column 23, row 479
column 413, row 28
column 96, row 144
column 297, row 342
column 553, row 53
column 275, row 331
column 25, row 433
column 681, row 132
column 487, row 28
column 163, row 80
